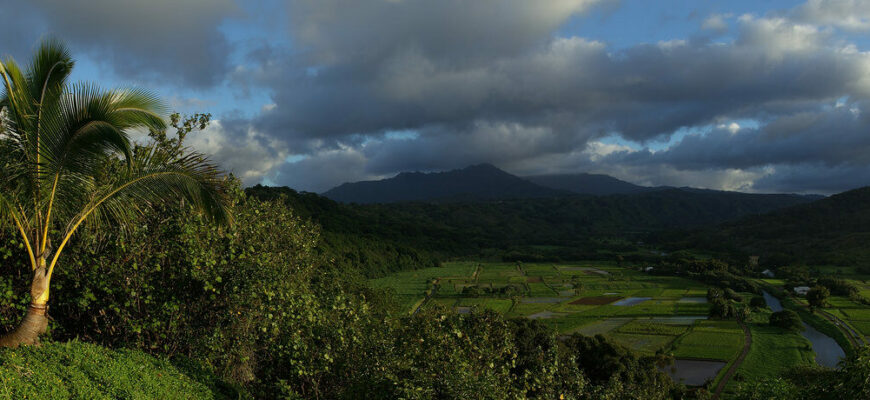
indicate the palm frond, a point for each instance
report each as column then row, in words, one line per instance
column 50, row 67
column 156, row 179
column 93, row 122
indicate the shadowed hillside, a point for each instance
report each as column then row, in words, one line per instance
column 477, row 182
column 376, row 238
column 594, row 184
column 834, row 230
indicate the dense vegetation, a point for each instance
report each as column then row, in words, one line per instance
column 814, row 383
column 355, row 242
column 392, row 237
column 831, row 231
column 210, row 293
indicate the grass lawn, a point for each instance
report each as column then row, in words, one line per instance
column 76, row 370
column 541, row 290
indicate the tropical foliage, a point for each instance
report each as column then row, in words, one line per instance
column 59, row 148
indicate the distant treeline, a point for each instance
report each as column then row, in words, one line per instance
column 380, row 238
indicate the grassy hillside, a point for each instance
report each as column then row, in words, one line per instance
column 78, row 370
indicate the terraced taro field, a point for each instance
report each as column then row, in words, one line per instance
column 641, row 311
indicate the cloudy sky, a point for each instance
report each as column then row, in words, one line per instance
column 751, row 95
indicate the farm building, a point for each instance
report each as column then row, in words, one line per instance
column 801, row 290
column 768, row 273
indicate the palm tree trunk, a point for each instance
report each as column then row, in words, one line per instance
column 35, row 321
column 34, row 324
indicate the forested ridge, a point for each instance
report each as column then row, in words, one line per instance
column 831, row 231
column 379, row 238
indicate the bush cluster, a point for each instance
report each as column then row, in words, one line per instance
column 262, row 306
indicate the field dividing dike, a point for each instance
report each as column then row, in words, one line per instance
column 429, row 294
column 850, row 332
column 747, row 344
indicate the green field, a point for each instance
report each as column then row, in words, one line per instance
column 588, row 298
column 854, row 314
column 644, row 312
column 410, row 286
column 773, row 352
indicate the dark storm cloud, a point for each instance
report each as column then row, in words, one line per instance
column 175, row 41
column 536, row 98
column 440, row 148
column 830, row 147
column 833, row 137
column 577, row 86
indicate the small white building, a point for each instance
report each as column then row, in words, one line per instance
column 801, row 290
column 648, row 269
column 768, row 273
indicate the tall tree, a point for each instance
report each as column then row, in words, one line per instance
column 818, row 297
column 66, row 162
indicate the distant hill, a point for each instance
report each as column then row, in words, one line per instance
column 594, row 184
column 833, row 230
column 382, row 237
column 474, row 183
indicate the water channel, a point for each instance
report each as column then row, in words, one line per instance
column 828, row 352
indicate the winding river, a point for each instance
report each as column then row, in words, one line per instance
column 828, row 352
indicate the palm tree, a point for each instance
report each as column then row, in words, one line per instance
column 66, row 162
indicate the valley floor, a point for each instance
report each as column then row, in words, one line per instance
column 647, row 313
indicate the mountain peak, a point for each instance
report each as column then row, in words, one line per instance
column 473, row 183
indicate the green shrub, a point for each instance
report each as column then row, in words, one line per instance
column 786, row 319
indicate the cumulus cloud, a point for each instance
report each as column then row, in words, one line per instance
column 852, row 15
column 240, row 149
column 366, row 32
column 499, row 81
column 324, row 170
column 717, row 23
column 527, row 101
column 175, row 41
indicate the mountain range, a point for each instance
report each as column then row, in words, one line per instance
column 486, row 182
column 474, row 183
